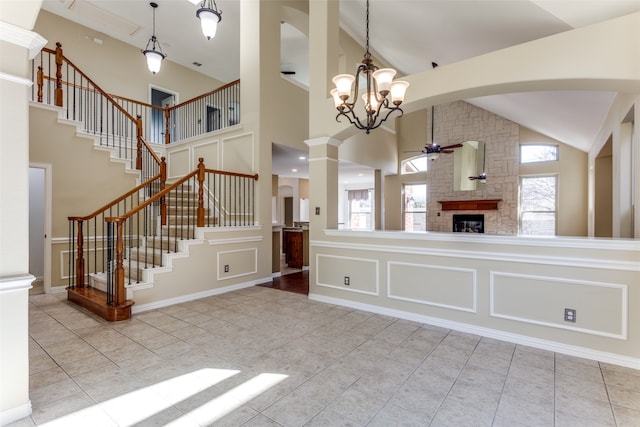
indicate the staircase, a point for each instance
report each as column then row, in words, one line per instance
column 121, row 246
column 154, row 253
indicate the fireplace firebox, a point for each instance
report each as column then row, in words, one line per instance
column 468, row 223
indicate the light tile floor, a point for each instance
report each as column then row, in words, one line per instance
column 263, row 357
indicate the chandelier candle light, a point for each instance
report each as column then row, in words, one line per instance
column 209, row 16
column 154, row 57
column 379, row 85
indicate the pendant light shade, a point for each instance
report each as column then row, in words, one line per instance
column 153, row 50
column 154, row 60
column 209, row 16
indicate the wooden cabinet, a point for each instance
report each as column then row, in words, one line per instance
column 293, row 247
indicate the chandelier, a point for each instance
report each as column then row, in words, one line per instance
column 209, row 16
column 154, row 57
column 383, row 96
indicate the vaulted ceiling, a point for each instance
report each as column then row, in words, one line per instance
column 408, row 34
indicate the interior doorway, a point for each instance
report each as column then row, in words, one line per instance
column 40, row 227
column 157, row 124
column 603, row 200
column 288, row 211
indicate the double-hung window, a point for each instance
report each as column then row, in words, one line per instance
column 538, row 205
column 414, row 207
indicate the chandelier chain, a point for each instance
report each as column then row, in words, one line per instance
column 367, row 53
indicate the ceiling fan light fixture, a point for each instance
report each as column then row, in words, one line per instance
column 154, row 57
column 209, row 16
column 433, row 156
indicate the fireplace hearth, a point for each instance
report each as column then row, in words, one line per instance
column 468, row 223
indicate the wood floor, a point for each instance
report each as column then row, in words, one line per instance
column 294, row 282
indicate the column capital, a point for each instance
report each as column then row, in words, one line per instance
column 323, row 140
column 22, row 37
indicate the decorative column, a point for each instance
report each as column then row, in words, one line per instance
column 323, row 182
column 18, row 45
column 378, row 209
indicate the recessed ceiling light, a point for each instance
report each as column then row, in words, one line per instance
column 360, row 174
column 294, row 170
column 302, row 158
column 194, row 2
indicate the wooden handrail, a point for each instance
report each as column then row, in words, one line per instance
column 77, row 86
column 241, row 175
column 144, row 104
column 189, row 101
column 116, row 201
column 152, row 199
column 200, row 171
column 60, row 55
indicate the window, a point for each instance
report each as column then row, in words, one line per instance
column 538, row 205
column 414, row 164
column 538, row 153
column 414, row 207
column 360, row 209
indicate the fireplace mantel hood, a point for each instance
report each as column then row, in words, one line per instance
column 469, row 205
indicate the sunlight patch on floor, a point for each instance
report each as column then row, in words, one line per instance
column 222, row 405
column 136, row 406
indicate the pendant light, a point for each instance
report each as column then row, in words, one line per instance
column 154, row 57
column 209, row 16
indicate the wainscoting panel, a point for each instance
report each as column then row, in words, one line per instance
column 240, row 262
column 448, row 287
column 601, row 308
column 238, row 154
column 362, row 274
column 209, row 152
column 178, row 163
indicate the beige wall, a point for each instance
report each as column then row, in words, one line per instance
column 119, row 68
column 84, row 179
column 572, row 172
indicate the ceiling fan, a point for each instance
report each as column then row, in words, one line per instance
column 480, row 178
column 433, row 150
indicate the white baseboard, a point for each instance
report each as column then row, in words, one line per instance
column 14, row 414
column 571, row 350
column 190, row 297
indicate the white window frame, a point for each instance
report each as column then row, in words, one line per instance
column 521, row 212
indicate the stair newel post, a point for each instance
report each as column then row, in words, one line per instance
column 163, row 201
column 119, row 296
column 200, row 212
column 40, row 82
column 59, row 61
column 80, row 256
column 167, row 120
column 139, row 137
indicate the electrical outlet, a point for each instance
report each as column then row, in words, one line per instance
column 317, row 210
column 570, row 315
column 226, row 268
column 347, row 280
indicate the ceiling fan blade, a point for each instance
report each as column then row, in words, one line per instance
column 446, row 151
column 413, row 151
column 452, row 146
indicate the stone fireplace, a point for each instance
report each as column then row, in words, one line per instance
column 468, row 223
